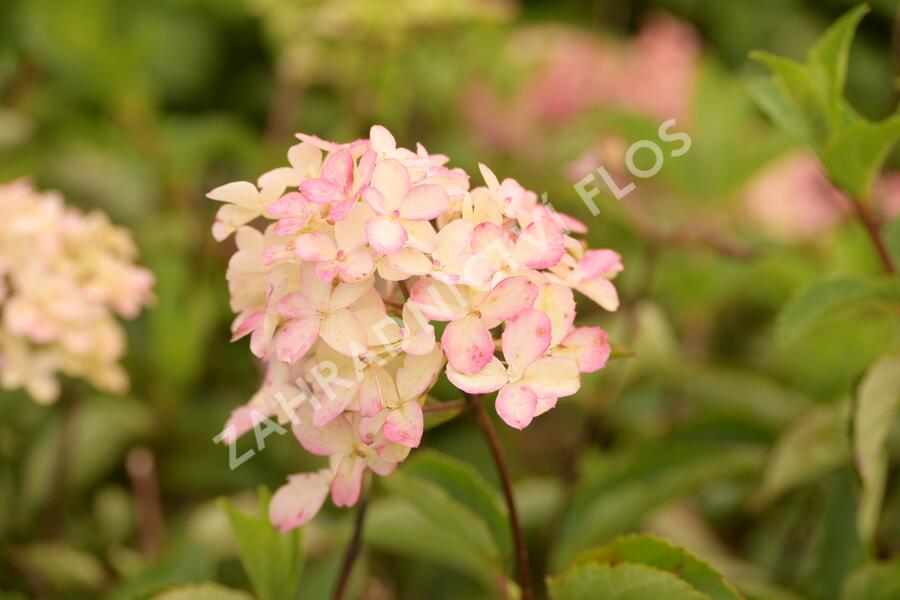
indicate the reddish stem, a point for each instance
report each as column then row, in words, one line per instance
column 490, row 434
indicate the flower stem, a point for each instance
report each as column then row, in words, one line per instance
column 352, row 551
column 875, row 235
column 490, row 434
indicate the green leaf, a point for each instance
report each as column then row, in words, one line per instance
column 203, row 591
column 828, row 57
column 854, row 155
column 800, row 96
column 660, row 554
column 396, row 526
column 828, row 300
column 463, row 483
column 183, row 564
column 273, row 561
column 875, row 581
column 437, row 504
column 876, row 405
column 615, row 499
column 620, row 582
column 815, row 443
column 778, row 106
column 64, row 568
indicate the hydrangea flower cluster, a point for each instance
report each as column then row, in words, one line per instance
column 378, row 268
column 64, row 276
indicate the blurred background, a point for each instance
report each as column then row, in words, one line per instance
column 707, row 428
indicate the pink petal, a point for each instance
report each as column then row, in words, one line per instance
column 382, row 140
column 417, row 331
column 326, row 271
column 242, row 193
column 299, row 500
column 364, row 170
column 437, row 300
column 243, row 419
column 339, row 210
column 508, row 298
column 516, row 404
column 468, row 344
column 489, row 379
column 424, row 202
column 288, row 226
column 558, row 302
column 343, row 332
column 290, row 205
column 370, row 403
column 600, row 263
column 295, row 305
column 321, row 191
column 338, row 169
column 540, row 245
column 315, row 247
column 244, row 324
column 348, row 481
column 418, row 373
column 357, row 266
column 391, row 178
column 405, row 425
column 602, row 291
column 376, row 201
column 525, row 338
column 296, row 337
column 553, row 376
column 385, row 235
column 493, row 243
column 409, row 262
column 334, row 437
column 589, row 346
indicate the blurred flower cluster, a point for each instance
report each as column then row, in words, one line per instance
column 64, row 276
column 367, row 247
column 573, row 71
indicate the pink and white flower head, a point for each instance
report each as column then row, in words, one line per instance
column 366, row 246
column 65, row 277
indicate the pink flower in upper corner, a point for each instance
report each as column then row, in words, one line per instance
column 340, row 182
column 317, row 310
column 531, row 382
column 472, row 313
column 397, row 203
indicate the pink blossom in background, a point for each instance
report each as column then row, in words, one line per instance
column 573, row 71
column 366, row 246
column 64, row 278
column 793, row 200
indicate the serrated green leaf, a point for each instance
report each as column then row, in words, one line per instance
column 617, row 498
column 828, row 58
column 776, row 104
column 437, row 505
column 659, row 553
column 463, row 483
column 620, row 582
column 875, row 581
column 836, row 298
column 854, row 155
column 272, row 560
column 815, row 443
column 799, row 91
column 203, row 591
column 874, row 410
column 394, row 525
